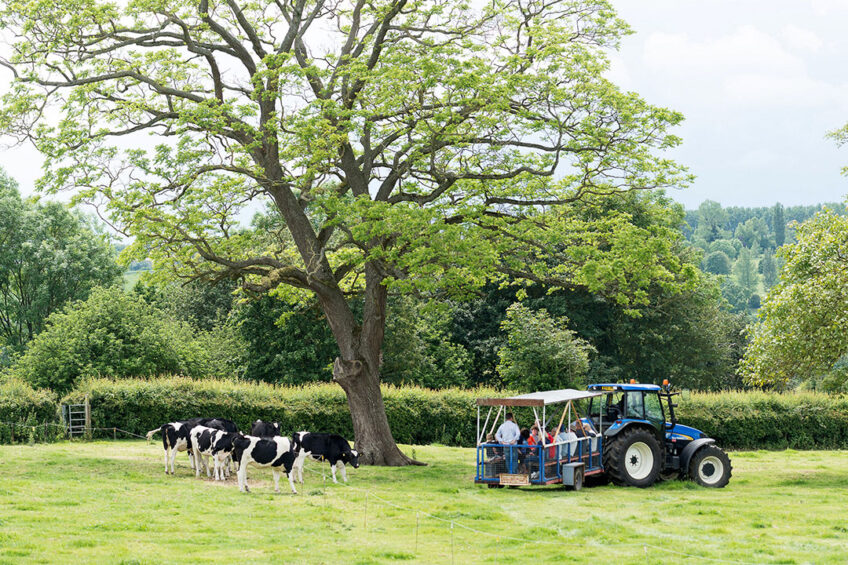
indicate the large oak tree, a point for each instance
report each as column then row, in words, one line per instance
column 402, row 145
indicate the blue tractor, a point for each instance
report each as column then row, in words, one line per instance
column 643, row 443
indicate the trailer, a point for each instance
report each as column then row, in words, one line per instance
column 575, row 452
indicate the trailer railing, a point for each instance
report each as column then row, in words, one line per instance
column 536, row 464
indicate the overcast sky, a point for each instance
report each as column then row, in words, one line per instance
column 760, row 82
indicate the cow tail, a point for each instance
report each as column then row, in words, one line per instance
column 152, row 432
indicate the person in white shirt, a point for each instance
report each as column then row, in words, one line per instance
column 508, row 432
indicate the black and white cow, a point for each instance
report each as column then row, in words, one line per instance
column 208, row 442
column 324, row 447
column 275, row 452
column 175, row 436
column 265, row 429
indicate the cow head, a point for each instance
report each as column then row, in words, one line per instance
column 351, row 457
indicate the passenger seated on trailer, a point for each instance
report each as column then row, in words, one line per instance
column 523, row 451
column 568, row 448
column 493, row 452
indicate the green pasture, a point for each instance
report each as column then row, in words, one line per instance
column 110, row 502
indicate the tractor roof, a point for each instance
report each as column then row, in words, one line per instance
column 542, row 398
column 623, row 386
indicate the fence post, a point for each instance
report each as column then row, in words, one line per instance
column 114, row 433
column 87, row 418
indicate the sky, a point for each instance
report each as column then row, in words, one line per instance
column 759, row 82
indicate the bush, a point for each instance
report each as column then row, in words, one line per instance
column 117, row 334
column 27, row 415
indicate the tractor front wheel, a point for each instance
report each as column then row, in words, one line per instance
column 710, row 467
column 633, row 458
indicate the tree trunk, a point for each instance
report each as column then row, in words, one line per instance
column 374, row 440
column 357, row 370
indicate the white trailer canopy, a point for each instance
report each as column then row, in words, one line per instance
column 543, row 398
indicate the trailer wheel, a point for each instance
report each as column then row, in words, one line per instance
column 710, row 467
column 578, row 479
column 633, row 458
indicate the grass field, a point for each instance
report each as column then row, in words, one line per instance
column 110, row 502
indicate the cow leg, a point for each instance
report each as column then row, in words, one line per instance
column 297, row 469
column 343, row 469
column 242, row 478
column 197, row 463
column 207, row 466
column 333, row 470
column 291, row 482
column 190, row 453
column 166, row 460
column 276, row 480
column 173, row 458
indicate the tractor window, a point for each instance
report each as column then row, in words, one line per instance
column 635, row 405
column 615, row 405
column 653, row 409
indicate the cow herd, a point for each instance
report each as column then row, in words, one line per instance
column 216, row 444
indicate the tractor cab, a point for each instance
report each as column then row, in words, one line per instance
column 625, row 403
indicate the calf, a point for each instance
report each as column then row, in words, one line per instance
column 209, row 442
column 330, row 447
column 273, row 452
column 265, row 429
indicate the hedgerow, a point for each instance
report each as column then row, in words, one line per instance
column 764, row 420
column 737, row 420
column 416, row 415
column 27, row 415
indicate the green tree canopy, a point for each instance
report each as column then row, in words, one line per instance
column 111, row 334
column 745, row 271
column 541, row 353
column 717, row 263
column 48, row 256
column 779, row 225
column 425, row 146
column 803, row 321
column 725, row 246
column 768, row 268
column 712, row 220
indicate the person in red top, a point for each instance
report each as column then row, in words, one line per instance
column 536, row 439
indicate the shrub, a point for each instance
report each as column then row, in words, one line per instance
column 117, row 334
column 763, row 420
column 26, row 414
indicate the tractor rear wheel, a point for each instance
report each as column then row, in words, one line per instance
column 633, row 458
column 710, row 467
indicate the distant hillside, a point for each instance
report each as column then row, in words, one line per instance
column 739, row 244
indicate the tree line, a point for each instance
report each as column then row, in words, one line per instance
column 740, row 244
